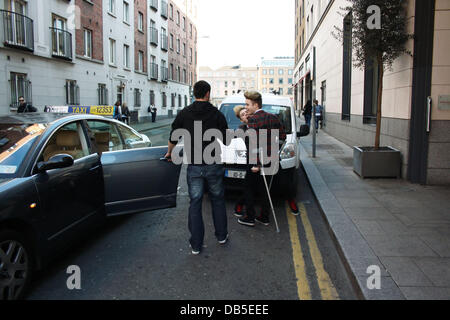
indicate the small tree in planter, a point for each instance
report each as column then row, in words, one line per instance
column 378, row 33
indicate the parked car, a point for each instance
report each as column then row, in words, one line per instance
column 62, row 174
column 234, row 155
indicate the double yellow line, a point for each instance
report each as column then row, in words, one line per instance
column 327, row 289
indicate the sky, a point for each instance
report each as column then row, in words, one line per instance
column 233, row 32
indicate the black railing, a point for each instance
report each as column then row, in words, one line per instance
column 61, row 43
column 154, row 71
column 164, row 42
column 153, row 36
column 164, row 9
column 18, row 30
column 154, row 4
column 164, row 74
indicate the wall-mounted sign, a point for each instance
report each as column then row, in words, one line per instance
column 444, row 103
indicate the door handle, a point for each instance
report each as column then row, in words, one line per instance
column 429, row 105
column 94, row 168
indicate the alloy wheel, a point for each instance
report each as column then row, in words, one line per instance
column 14, row 263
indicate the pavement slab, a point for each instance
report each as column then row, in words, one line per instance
column 402, row 227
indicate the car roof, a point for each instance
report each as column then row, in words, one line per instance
column 43, row 117
column 267, row 99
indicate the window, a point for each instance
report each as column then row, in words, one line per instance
column 226, row 84
column 171, row 41
column 132, row 139
column 141, row 22
column 137, row 98
column 178, row 17
column 178, row 45
column 126, row 56
column 87, row 43
column 112, row 51
column 179, row 101
column 59, row 36
column 171, row 12
column 20, row 87
column 226, row 92
column 371, row 77
column 280, row 72
column 184, row 49
column 164, row 99
column 140, row 61
column 173, row 99
column 72, row 93
column 264, row 81
column 126, row 12
column 152, row 97
column 185, row 101
column 290, row 91
column 347, row 67
column 106, row 136
column 112, row 6
column 102, row 95
column 184, row 23
column 184, row 76
column 271, row 71
column 280, row 91
column 190, row 49
column 290, row 72
column 264, row 71
column 271, row 81
column 178, row 74
column 190, row 32
column 171, row 72
column 280, row 81
column 290, row 80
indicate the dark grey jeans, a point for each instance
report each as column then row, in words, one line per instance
column 196, row 178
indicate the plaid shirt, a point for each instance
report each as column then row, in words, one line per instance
column 264, row 120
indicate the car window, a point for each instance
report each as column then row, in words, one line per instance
column 131, row 139
column 68, row 139
column 15, row 143
column 106, row 136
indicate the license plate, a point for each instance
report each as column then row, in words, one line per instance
column 235, row 174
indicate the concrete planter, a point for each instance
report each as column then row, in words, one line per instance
column 382, row 163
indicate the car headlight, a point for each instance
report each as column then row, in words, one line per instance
column 241, row 153
column 288, row 152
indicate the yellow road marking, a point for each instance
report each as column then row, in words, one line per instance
column 327, row 289
column 304, row 292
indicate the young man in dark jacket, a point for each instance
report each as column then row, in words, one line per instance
column 25, row 107
column 196, row 119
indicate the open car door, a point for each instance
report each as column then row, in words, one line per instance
column 135, row 177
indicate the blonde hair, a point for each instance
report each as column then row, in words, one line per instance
column 254, row 96
column 237, row 111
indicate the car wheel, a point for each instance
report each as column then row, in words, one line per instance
column 16, row 265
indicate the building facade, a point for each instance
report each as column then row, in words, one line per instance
column 276, row 75
column 229, row 80
column 87, row 53
column 324, row 71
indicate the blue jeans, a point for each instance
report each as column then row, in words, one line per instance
column 196, row 178
column 308, row 119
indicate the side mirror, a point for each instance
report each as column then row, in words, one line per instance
column 304, row 131
column 56, row 162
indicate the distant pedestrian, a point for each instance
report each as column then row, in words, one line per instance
column 125, row 114
column 200, row 174
column 154, row 111
column 318, row 113
column 307, row 112
column 118, row 110
column 24, row 106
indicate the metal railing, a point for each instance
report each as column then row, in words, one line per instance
column 61, row 43
column 154, row 71
column 154, row 4
column 164, row 74
column 164, row 42
column 18, row 30
column 164, row 9
column 153, row 36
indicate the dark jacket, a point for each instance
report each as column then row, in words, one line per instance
column 25, row 107
column 308, row 109
column 210, row 118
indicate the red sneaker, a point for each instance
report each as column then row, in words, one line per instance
column 293, row 206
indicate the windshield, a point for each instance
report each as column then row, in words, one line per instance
column 15, row 142
column 282, row 112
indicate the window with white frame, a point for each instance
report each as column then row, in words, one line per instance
column 126, row 12
column 102, row 94
column 112, row 51
column 112, row 6
column 20, row 87
column 126, row 56
column 141, row 22
column 140, row 61
column 87, row 43
column 72, row 93
column 137, row 98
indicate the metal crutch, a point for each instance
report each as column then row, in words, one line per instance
column 268, row 194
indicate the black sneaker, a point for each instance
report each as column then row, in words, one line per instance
column 263, row 220
column 224, row 241
column 239, row 211
column 246, row 221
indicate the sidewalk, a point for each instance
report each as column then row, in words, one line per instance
column 147, row 125
column 401, row 227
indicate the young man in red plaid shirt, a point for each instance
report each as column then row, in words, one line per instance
column 259, row 120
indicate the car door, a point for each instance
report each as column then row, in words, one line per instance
column 70, row 195
column 135, row 177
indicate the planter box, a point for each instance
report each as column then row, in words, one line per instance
column 382, row 163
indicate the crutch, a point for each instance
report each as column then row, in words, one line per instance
column 268, row 192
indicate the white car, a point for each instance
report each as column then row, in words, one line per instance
column 234, row 155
